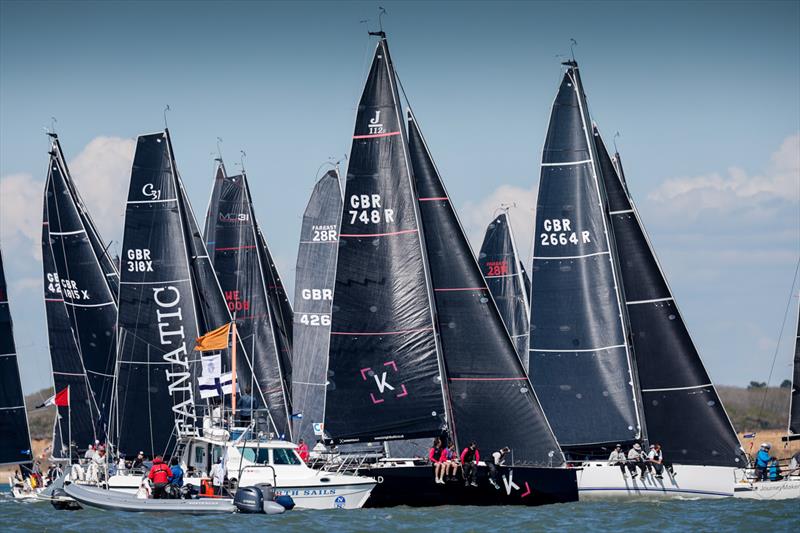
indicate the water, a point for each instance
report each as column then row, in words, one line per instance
column 676, row 515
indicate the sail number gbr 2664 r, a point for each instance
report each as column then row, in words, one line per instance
column 367, row 208
column 558, row 232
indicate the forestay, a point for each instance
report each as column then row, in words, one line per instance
column 313, row 296
column 491, row 400
column 15, row 444
column 671, row 374
column 383, row 367
column 579, row 359
column 505, row 276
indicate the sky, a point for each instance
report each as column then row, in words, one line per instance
column 704, row 95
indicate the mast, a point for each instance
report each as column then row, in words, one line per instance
column 505, row 276
column 580, row 363
column 484, row 373
column 313, row 296
column 239, row 262
column 384, row 378
column 15, row 445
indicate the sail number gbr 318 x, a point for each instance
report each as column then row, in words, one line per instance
column 368, row 209
column 558, row 232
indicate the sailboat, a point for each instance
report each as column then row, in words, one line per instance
column 610, row 356
column 788, row 487
column 80, row 285
column 394, row 374
column 313, row 297
column 251, row 286
column 15, row 444
column 507, row 279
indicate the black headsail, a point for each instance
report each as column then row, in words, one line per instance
column 83, row 416
column 15, row 444
column 794, row 407
column 579, row 357
column 282, row 313
column 506, row 278
column 384, row 372
column 313, row 296
column 158, row 319
column 239, row 261
column 485, row 376
column 86, row 289
column 671, row 375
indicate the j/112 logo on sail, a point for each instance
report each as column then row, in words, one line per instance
column 375, row 125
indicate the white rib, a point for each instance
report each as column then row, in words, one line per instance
column 3, row 302
column 319, row 242
column 501, row 276
column 152, row 282
column 567, row 163
column 112, row 274
column 88, row 305
column 10, row 408
column 100, row 374
column 679, row 388
column 145, row 362
column 572, row 256
column 620, row 212
column 152, row 201
column 7, row 354
column 76, row 232
column 636, row 302
column 307, row 383
column 571, row 351
column 67, row 373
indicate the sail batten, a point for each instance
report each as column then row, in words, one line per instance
column 670, row 372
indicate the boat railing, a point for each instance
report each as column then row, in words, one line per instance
column 256, row 467
column 344, row 462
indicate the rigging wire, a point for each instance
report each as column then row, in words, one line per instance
column 778, row 344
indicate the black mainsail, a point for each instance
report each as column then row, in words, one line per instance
column 240, row 261
column 384, row 371
column 158, row 315
column 580, row 362
column 15, row 444
column 485, row 376
column 506, row 278
column 672, row 378
column 85, row 283
column 313, row 296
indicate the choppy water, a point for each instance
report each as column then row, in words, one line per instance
column 684, row 515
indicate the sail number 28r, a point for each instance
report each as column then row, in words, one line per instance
column 558, row 232
column 367, row 209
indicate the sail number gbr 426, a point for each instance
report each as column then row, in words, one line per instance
column 558, row 232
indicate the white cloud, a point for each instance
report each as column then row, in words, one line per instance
column 101, row 171
column 476, row 216
column 21, row 213
column 758, row 196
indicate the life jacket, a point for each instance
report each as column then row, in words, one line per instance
column 469, row 455
column 160, row 473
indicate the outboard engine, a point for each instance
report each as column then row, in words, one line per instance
column 267, row 491
column 249, row 500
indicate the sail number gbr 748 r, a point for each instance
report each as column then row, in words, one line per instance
column 367, row 208
column 558, row 232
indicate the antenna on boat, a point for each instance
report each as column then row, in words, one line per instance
column 572, row 44
column 380, row 33
column 219, row 149
column 614, row 140
column 242, row 155
column 504, row 207
column 165, row 116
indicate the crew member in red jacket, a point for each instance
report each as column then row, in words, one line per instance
column 302, row 450
column 438, row 456
column 469, row 464
column 160, row 475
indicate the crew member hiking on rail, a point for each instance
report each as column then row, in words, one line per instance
column 636, row 458
column 497, row 460
column 617, row 458
column 160, row 475
column 656, row 459
column 438, row 458
column 762, row 461
column 452, row 462
column 469, row 464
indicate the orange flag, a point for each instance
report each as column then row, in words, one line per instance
column 214, row 340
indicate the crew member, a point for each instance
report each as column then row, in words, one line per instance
column 218, row 476
column 438, row 457
column 497, row 459
column 470, row 456
column 160, row 475
column 302, row 450
column 617, row 458
column 762, row 461
column 177, row 473
column 636, row 458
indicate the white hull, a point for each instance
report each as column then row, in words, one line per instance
column 600, row 480
column 315, row 495
column 785, row 489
